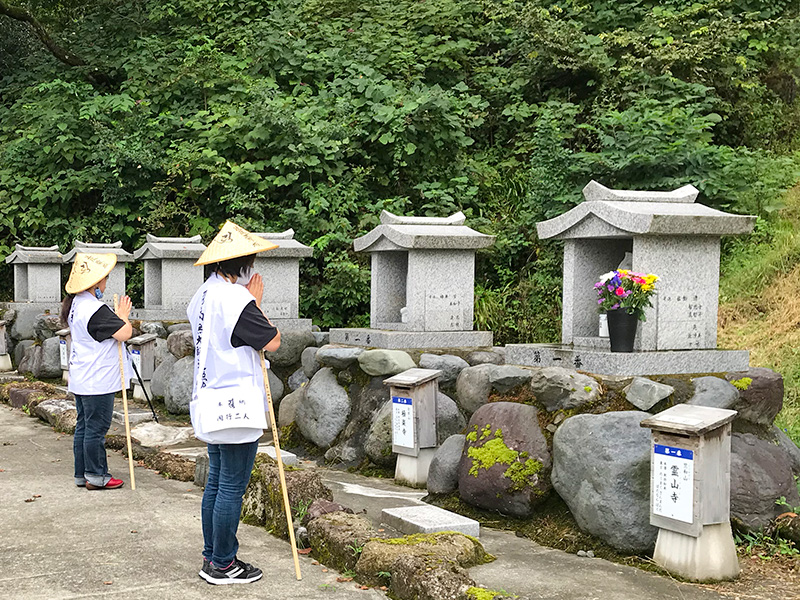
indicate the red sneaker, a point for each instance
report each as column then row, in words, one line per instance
column 111, row 485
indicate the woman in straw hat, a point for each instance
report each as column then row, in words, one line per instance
column 94, row 364
column 228, row 399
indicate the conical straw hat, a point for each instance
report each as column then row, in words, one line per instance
column 232, row 242
column 88, row 269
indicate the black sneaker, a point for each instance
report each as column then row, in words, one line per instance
column 236, row 572
column 206, row 568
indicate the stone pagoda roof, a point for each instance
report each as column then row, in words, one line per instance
column 608, row 213
column 32, row 254
column 89, row 248
column 422, row 233
column 288, row 247
column 169, row 247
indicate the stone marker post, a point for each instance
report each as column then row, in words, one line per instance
column 690, row 482
column 413, row 394
column 143, row 355
column 64, row 348
column 5, row 359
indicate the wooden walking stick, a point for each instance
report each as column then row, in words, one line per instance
column 125, row 404
column 286, row 506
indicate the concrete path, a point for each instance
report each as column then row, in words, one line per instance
column 68, row 542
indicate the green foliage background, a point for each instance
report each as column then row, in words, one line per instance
column 317, row 114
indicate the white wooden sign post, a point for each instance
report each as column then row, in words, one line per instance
column 64, row 350
column 413, row 394
column 690, row 491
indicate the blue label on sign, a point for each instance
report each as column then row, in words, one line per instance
column 137, row 352
column 671, row 451
column 399, row 400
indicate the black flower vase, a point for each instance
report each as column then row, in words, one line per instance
column 622, row 329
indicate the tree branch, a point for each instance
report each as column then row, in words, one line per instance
column 20, row 14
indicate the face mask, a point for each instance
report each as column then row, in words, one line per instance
column 98, row 294
column 245, row 277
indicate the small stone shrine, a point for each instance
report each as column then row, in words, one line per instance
column 422, row 290
column 170, row 277
column 280, row 269
column 664, row 233
column 116, row 279
column 37, row 274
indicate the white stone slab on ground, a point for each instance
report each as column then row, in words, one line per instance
column 288, row 458
column 429, row 519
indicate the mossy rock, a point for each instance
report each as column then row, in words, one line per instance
column 380, row 555
column 338, row 538
column 263, row 499
column 417, row 577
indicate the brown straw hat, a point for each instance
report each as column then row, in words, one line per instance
column 89, row 269
column 232, row 242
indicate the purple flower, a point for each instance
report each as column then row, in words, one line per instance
column 610, row 288
column 600, row 301
column 616, row 306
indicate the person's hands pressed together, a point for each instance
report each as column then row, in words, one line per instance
column 124, row 308
column 256, row 288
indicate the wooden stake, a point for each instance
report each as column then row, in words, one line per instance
column 280, row 468
column 125, row 404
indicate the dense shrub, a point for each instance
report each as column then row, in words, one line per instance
column 316, row 114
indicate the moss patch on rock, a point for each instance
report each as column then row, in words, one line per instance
column 494, row 451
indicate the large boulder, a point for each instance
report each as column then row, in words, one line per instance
column 449, row 364
column 181, row 343
column 263, row 499
column 507, row 377
column 429, row 578
column 178, row 392
column 275, row 385
column 601, row 468
column 367, row 398
column 449, row 420
column 45, row 326
column 287, row 411
column 761, row 472
column 23, row 326
column 558, row 388
column 162, row 376
column 713, row 392
column 761, row 394
column 48, row 366
column 293, row 342
column 443, row 470
column 161, row 351
column 486, row 357
column 382, row 363
column 29, row 358
column 645, row 393
column 308, row 360
column 182, row 326
column 297, row 379
column 378, row 445
column 505, row 463
column 338, row 357
column 154, row 327
column 19, row 352
column 791, row 449
column 473, row 387
column 323, row 412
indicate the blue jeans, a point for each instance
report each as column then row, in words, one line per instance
column 89, row 444
column 229, row 467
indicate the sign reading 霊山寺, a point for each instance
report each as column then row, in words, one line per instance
column 672, row 484
column 402, row 422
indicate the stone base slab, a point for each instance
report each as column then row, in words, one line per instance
column 428, row 519
column 602, row 362
column 5, row 363
column 135, row 415
column 413, row 470
column 401, row 340
column 291, row 324
column 174, row 315
column 709, row 557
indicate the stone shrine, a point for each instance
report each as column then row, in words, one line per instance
column 422, row 289
column 116, row 279
column 37, row 274
column 280, row 269
column 664, row 233
column 170, row 277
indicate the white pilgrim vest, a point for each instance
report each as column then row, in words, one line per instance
column 93, row 365
column 213, row 312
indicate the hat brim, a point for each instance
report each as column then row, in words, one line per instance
column 210, row 261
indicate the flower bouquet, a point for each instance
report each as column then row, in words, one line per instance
column 623, row 296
